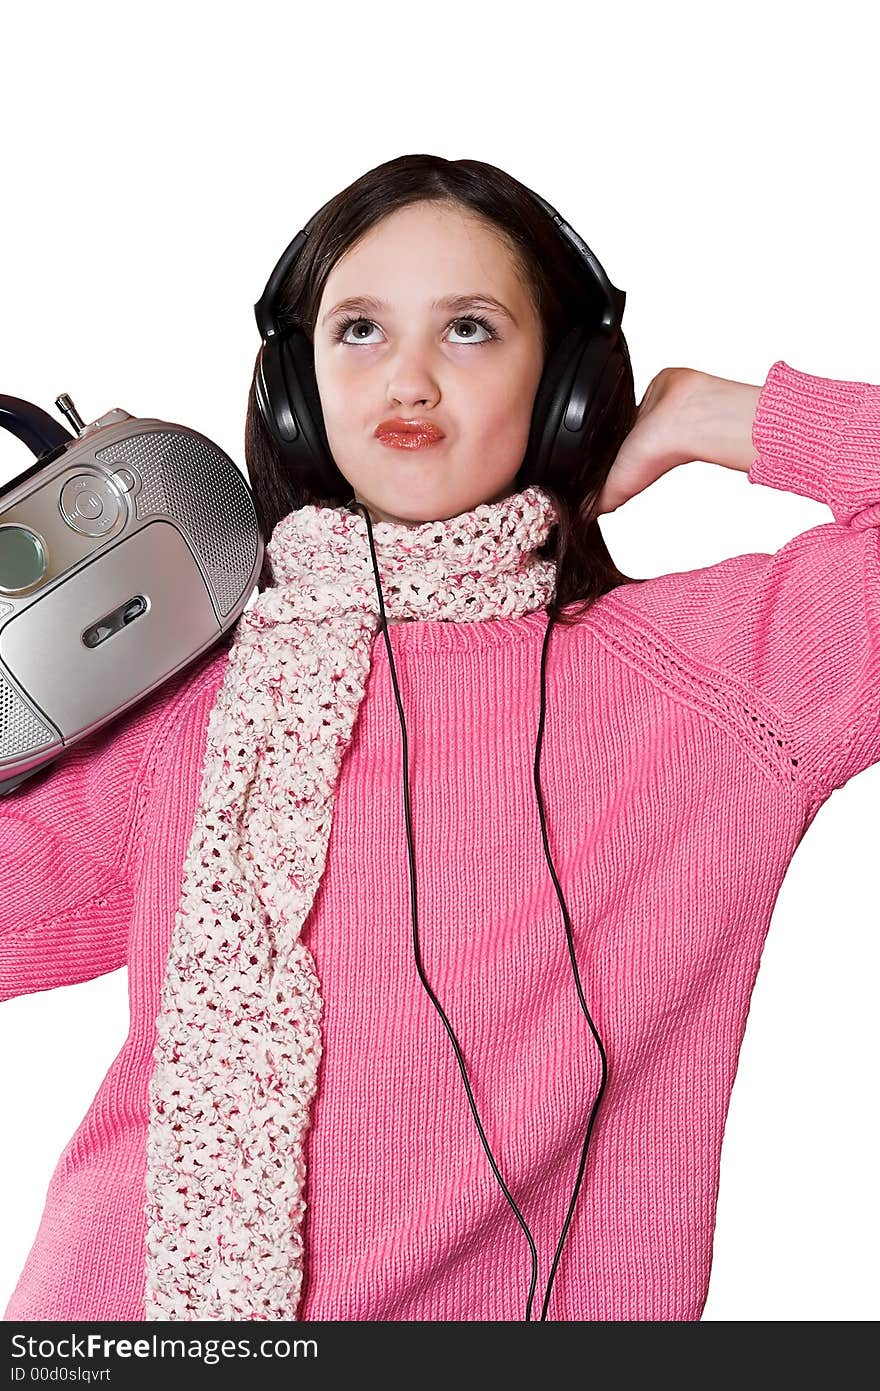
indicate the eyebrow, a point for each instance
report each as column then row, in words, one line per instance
column 458, row 302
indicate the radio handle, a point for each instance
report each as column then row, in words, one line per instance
column 32, row 425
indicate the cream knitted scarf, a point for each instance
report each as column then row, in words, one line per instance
column 238, row 1029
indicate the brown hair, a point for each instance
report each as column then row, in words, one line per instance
column 549, row 270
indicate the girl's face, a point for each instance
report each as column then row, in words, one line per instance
column 392, row 352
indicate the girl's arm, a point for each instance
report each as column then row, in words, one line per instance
column 809, row 634
column 800, row 626
column 68, row 842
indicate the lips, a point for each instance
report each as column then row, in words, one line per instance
column 409, row 433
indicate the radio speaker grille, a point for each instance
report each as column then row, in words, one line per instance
column 21, row 732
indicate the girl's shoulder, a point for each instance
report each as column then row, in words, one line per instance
column 688, row 605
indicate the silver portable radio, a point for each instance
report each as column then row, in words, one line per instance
column 126, row 551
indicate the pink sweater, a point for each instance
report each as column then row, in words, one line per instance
column 695, row 725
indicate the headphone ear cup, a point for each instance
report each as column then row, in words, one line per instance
column 551, row 400
column 579, row 381
column 302, row 387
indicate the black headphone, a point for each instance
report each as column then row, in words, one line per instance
column 578, row 383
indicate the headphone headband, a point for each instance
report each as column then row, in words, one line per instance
column 264, row 309
column 612, row 299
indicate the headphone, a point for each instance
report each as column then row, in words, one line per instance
column 578, row 383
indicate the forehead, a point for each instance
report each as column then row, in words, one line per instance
column 424, row 252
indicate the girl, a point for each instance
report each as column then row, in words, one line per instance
column 503, row 1097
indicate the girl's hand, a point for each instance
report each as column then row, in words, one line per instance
column 684, row 415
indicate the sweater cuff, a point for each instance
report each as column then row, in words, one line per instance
column 820, row 438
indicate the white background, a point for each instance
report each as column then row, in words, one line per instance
column 722, row 164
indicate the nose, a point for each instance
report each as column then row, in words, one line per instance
column 411, row 382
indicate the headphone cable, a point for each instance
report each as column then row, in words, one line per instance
column 413, row 901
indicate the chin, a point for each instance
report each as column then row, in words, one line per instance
column 414, row 515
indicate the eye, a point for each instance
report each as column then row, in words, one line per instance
column 481, row 323
column 340, row 330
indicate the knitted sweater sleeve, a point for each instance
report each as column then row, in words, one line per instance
column 802, row 626
column 68, row 840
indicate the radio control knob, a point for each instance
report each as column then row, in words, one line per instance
column 90, row 504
